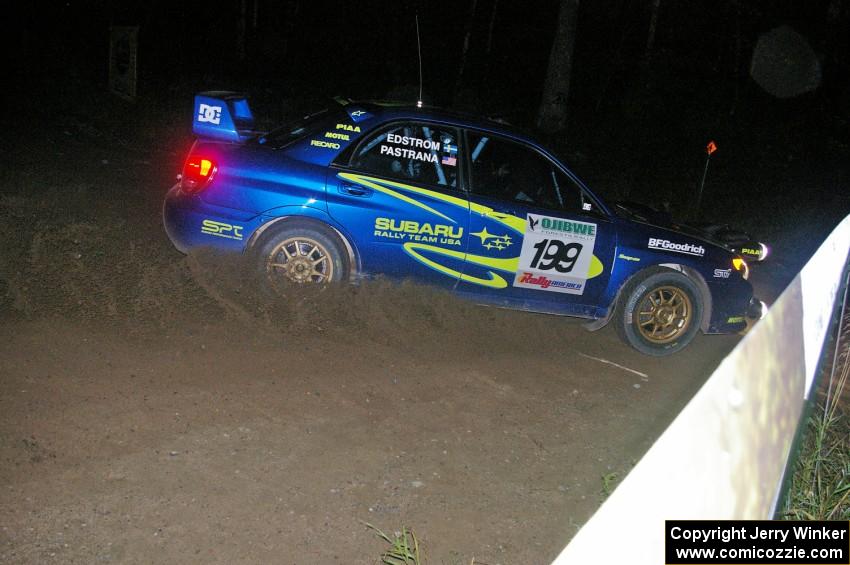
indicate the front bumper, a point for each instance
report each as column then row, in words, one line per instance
column 757, row 309
column 731, row 304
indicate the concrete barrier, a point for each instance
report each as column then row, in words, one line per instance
column 726, row 453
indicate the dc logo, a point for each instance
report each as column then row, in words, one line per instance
column 210, row 114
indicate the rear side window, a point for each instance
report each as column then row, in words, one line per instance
column 293, row 131
column 411, row 152
column 513, row 172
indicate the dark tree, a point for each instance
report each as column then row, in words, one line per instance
column 552, row 115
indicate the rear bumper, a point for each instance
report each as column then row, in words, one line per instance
column 192, row 223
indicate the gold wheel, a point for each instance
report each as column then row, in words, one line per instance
column 664, row 314
column 301, row 260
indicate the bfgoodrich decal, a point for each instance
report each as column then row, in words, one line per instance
column 667, row 245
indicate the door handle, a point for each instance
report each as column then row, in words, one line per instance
column 355, row 190
column 497, row 215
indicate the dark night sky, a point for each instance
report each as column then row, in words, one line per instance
column 368, row 48
column 630, row 124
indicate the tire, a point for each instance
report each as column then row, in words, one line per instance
column 660, row 313
column 300, row 253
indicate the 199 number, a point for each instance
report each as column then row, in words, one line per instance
column 555, row 254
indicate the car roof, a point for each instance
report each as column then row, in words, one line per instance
column 389, row 111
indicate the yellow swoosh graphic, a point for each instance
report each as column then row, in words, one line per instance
column 515, row 223
column 373, row 184
column 495, row 281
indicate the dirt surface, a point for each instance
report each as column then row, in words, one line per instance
column 154, row 410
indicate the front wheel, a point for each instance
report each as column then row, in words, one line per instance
column 660, row 314
column 301, row 254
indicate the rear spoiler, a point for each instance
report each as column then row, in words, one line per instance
column 224, row 116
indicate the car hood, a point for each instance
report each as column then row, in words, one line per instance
column 642, row 214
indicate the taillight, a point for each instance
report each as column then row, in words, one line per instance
column 198, row 172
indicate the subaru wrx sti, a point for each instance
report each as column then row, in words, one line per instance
column 461, row 202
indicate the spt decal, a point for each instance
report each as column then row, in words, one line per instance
column 221, row 229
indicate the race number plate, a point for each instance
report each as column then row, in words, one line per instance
column 556, row 254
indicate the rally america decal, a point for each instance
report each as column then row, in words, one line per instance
column 667, row 245
column 556, row 254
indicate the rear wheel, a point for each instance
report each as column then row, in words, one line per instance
column 301, row 253
column 661, row 313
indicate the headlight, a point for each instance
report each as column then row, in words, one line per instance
column 741, row 266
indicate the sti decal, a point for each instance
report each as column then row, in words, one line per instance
column 722, row 273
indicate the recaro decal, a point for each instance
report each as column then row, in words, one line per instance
column 416, row 249
column 324, row 144
column 340, row 133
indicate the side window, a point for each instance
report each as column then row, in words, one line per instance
column 509, row 171
column 414, row 152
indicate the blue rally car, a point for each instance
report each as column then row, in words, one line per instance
column 464, row 203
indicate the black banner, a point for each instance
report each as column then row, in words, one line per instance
column 758, row 542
